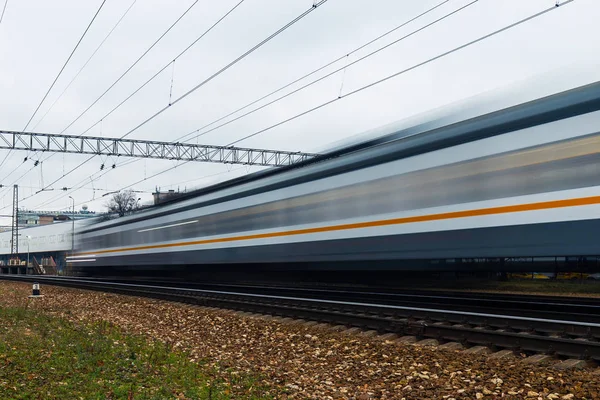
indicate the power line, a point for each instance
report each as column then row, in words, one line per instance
column 14, row 169
column 83, row 187
column 65, row 174
column 164, row 67
column 99, row 189
column 321, row 68
column 150, row 177
column 391, row 76
column 343, row 68
column 204, row 177
column 80, row 184
column 430, row 60
column 59, row 73
column 65, row 64
column 137, row 61
column 56, row 180
column 368, row 55
column 522, row 21
column 74, row 78
column 148, row 81
column 20, row 177
column 74, row 188
column 128, row 69
column 3, row 11
column 219, row 72
column 311, row 73
column 86, row 63
column 305, row 86
column 270, row 37
column 131, row 66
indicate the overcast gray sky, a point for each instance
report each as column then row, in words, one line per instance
column 37, row 36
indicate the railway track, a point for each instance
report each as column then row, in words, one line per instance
column 548, row 307
column 473, row 321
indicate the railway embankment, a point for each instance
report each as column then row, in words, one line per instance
column 45, row 355
column 530, row 286
column 299, row 360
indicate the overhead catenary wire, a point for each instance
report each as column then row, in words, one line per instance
column 226, row 67
column 71, row 82
column 387, row 78
column 381, row 36
column 137, row 61
column 470, row 43
column 132, row 65
column 520, row 22
column 157, row 73
column 254, row 48
column 343, row 68
column 79, row 185
column 387, row 33
column 34, row 187
column 171, row 168
column 55, row 181
column 14, row 170
column 172, row 79
column 65, row 64
column 87, row 62
column 59, row 73
column 66, row 174
column 162, row 69
column 3, row 11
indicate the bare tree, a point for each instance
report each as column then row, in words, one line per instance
column 123, row 203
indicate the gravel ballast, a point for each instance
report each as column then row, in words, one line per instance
column 302, row 362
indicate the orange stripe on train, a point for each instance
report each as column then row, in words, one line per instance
column 584, row 201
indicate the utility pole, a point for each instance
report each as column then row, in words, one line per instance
column 28, row 238
column 73, row 227
column 14, row 249
column 68, row 267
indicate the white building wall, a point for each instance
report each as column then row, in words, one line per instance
column 44, row 238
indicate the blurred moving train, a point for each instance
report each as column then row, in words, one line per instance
column 520, row 181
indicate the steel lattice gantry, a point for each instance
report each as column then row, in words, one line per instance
column 147, row 149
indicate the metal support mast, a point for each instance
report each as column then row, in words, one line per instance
column 14, row 249
column 148, row 149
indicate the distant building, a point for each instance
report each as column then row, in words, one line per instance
column 32, row 217
column 160, row 197
column 45, row 219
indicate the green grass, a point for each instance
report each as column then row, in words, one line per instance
column 43, row 357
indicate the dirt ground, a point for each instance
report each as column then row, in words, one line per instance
column 302, row 362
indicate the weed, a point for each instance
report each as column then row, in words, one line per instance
column 51, row 358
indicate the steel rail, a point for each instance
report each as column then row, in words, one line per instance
column 578, row 309
column 527, row 334
column 550, row 308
